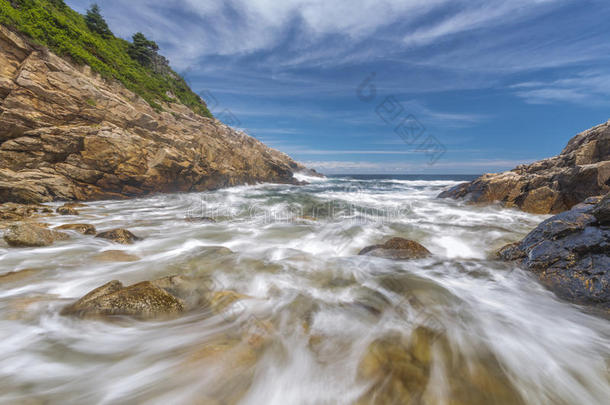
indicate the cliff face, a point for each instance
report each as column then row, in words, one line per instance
column 66, row 134
column 551, row 185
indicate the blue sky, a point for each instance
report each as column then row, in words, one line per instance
column 473, row 86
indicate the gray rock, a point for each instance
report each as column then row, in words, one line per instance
column 570, row 253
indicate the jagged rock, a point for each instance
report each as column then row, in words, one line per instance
column 397, row 248
column 122, row 236
column 67, row 211
column 55, row 145
column 141, row 300
column 570, row 253
column 551, row 185
column 31, row 235
column 85, row 229
column 602, row 211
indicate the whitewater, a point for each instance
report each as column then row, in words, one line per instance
column 315, row 323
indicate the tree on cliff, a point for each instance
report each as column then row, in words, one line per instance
column 96, row 22
column 143, row 50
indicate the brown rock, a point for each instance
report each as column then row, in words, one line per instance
column 549, row 186
column 31, row 235
column 54, row 145
column 115, row 256
column 397, row 248
column 141, row 300
column 85, row 229
column 122, row 236
column 14, row 276
column 65, row 210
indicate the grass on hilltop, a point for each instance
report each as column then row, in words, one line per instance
column 53, row 24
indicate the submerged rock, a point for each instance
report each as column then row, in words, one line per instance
column 65, row 210
column 32, row 235
column 122, row 236
column 397, row 248
column 570, row 254
column 141, row 300
column 551, row 185
column 115, row 256
column 85, row 229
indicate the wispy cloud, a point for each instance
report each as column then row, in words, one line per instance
column 590, row 87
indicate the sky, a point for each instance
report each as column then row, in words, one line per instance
column 389, row 86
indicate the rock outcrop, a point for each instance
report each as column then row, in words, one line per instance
column 551, row 185
column 397, row 248
column 67, row 134
column 570, row 253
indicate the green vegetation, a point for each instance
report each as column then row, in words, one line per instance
column 96, row 23
column 88, row 40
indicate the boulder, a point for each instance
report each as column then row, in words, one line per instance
column 570, row 254
column 85, row 229
column 397, row 248
column 122, row 236
column 549, row 186
column 142, row 300
column 31, row 235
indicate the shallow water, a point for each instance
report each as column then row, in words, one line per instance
column 319, row 325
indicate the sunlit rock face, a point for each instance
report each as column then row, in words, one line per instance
column 67, row 134
column 551, row 185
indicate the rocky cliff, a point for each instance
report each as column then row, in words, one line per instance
column 551, row 185
column 67, row 134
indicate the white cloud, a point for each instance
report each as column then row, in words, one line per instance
column 589, row 87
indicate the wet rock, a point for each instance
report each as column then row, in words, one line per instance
column 14, row 276
column 141, row 300
column 65, row 210
column 397, row 248
column 122, row 236
column 11, row 212
column 570, row 254
column 193, row 291
column 32, row 235
column 115, row 256
column 85, row 229
column 602, row 211
column 208, row 220
column 549, row 186
column 220, row 300
column 397, row 376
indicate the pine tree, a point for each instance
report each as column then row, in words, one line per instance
column 143, row 50
column 96, row 22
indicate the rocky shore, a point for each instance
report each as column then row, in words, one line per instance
column 68, row 134
column 570, row 253
column 552, row 185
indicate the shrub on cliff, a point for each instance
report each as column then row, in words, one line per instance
column 53, row 24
